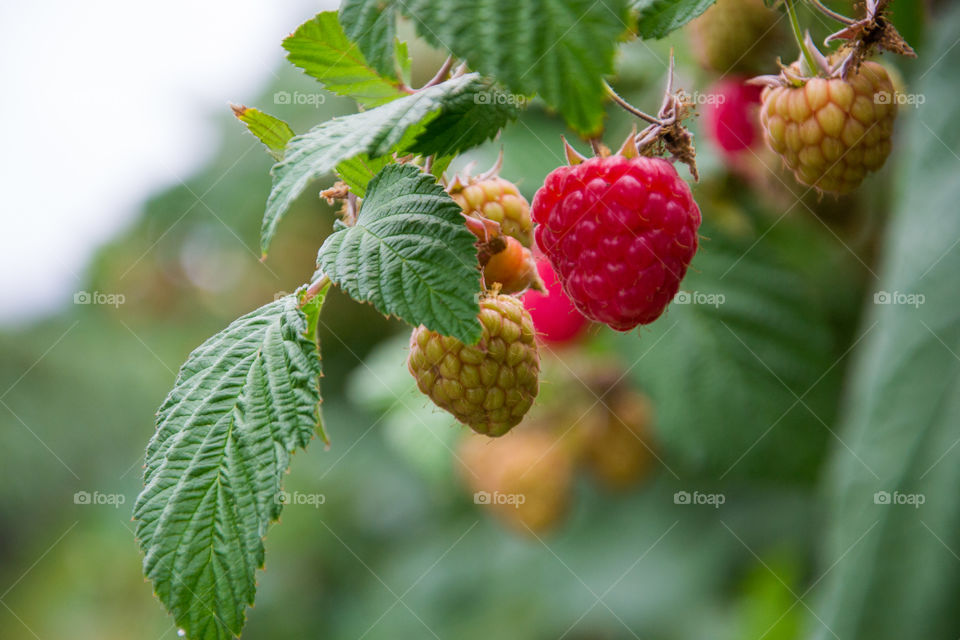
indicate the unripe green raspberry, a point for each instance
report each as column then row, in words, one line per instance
column 488, row 386
column 498, row 200
column 832, row 132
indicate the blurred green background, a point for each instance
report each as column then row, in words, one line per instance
column 798, row 400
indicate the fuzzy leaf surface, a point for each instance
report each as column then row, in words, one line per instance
column 242, row 403
column 409, row 254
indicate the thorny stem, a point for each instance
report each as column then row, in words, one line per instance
column 798, row 35
column 314, row 289
column 831, row 13
column 616, row 97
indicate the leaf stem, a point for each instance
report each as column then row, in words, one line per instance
column 798, row 36
column 314, row 289
column 616, row 97
column 825, row 10
column 441, row 74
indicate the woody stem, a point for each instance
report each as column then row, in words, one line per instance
column 831, row 13
column 616, row 97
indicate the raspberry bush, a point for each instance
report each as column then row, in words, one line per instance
column 489, row 282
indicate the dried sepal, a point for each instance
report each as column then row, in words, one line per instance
column 874, row 32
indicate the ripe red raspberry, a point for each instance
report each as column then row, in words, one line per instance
column 832, row 132
column 620, row 233
column 488, row 386
column 732, row 115
column 555, row 318
column 498, row 200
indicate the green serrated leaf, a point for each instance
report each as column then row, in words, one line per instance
column 657, row 18
column 467, row 121
column 242, row 403
column 409, row 254
column 373, row 26
column 359, row 170
column 273, row 132
column 374, row 132
column 321, row 48
column 559, row 49
column 891, row 533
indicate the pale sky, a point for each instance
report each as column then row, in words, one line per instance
column 105, row 102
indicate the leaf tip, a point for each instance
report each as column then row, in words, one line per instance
column 239, row 110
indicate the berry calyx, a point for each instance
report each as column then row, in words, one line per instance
column 831, row 132
column 488, row 386
column 555, row 318
column 620, row 233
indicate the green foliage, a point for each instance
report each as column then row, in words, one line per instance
column 242, row 403
column 321, row 48
column 726, row 367
column 273, row 132
column 374, row 132
column 359, row 170
column 559, row 49
column 657, row 18
column 373, row 27
column 409, row 254
column 898, row 573
column 466, row 121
